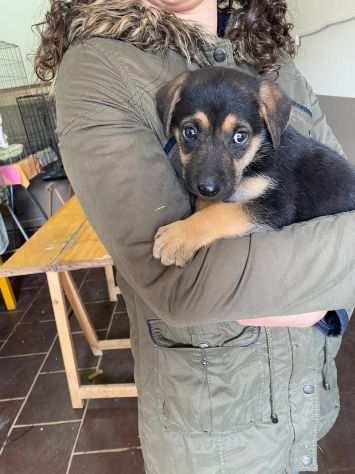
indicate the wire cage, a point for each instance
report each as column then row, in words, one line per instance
column 13, row 78
column 12, row 67
column 39, row 120
column 27, row 110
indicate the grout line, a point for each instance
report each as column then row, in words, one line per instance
column 106, row 300
column 20, row 320
column 16, row 356
column 87, row 404
column 80, row 333
column 62, row 371
column 11, row 399
column 106, row 451
column 27, row 396
column 48, row 423
column 77, row 437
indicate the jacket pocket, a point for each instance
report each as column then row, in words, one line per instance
column 204, row 388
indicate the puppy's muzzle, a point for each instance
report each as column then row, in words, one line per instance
column 209, row 187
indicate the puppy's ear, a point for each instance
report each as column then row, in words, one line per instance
column 275, row 108
column 167, row 98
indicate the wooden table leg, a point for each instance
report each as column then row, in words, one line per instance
column 78, row 307
column 113, row 289
column 65, row 338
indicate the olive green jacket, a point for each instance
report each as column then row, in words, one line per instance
column 209, row 390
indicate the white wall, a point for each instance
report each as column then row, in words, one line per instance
column 16, row 19
column 327, row 59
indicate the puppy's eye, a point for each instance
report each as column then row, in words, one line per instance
column 241, row 137
column 189, row 132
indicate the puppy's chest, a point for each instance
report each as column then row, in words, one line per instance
column 252, row 187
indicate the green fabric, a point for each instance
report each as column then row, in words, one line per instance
column 204, row 410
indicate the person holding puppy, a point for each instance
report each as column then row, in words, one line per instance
column 234, row 353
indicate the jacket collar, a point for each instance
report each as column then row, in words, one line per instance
column 148, row 29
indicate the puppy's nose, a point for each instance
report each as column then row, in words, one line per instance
column 209, row 187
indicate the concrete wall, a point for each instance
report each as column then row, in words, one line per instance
column 327, row 59
column 340, row 113
column 16, row 19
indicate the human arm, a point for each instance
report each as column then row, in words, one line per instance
column 116, row 163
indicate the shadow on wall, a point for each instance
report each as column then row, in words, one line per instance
column 340, row 112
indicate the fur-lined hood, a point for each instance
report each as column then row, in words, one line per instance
column 146, row 28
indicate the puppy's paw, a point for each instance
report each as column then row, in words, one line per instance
column 174, row 245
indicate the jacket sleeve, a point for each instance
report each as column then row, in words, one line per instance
column 128, row 189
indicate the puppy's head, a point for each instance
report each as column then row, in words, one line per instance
column 223, row 121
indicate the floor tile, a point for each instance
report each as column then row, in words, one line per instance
column 125, row 462
column 39, row 449
column 79, row 275
column 120, row 327
column 17, row 375
column 322, row 463
column 23, row 299
column 120, row 305
column 8, row 412
column 85, row 358
column 117, row 366
column 32, row 281
column 345, row 361
column 95, row 274
column 338, row 445
column 352, row 471
column 109, row 424
column 30, row 339
column 94, row 290
column 8, row 320
column 100, row 315
column 41, row 310
column 49, row 401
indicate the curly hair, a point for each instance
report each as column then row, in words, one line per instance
column 260, row 32
column 258, row 29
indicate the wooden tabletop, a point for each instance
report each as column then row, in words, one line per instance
column 65, row 242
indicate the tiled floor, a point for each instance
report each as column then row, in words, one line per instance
column 39, row 431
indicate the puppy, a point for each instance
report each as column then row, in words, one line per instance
column 247, row 168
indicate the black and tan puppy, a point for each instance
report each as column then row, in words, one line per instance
column 249, row 170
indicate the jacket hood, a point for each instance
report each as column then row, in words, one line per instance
column 146, row 28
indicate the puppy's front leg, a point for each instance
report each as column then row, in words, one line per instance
column 176, row 243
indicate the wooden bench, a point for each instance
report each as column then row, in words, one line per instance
column 64, row 243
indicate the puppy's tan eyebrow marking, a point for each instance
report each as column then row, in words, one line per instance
column 248, row 156
column 229, row 123
column 202, row 118
column 185, row 157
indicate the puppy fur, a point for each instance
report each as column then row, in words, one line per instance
column 247, row 168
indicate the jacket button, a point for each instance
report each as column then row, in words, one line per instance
column 307, row 460
column 308, row 389
column 219, row 55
